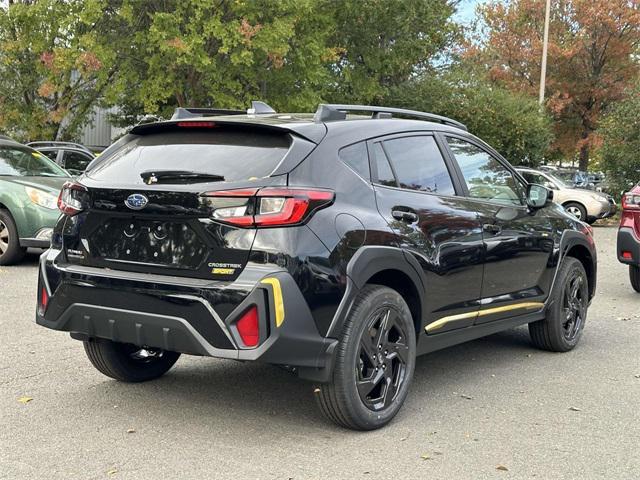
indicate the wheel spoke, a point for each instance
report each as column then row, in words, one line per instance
column 382, row 329
column 389, row 392
column 367, row 347
column 366, row 386
column 399, row 351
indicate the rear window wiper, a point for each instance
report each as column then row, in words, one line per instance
column 179, row 176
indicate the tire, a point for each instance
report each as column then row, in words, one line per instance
column 10, row 250
column 634, row 276
column 392, row 363
column 577, row 210
column 566, row 315
column 128, row 363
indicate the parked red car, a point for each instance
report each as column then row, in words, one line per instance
column 629, row 235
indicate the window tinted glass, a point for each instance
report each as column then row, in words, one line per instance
column 234, row 154
column 537, row 178
column 385, row 175
column 51, row 154
column 419, row 165
column 23, row 162
column 486, row 178
column 356, row 157
column 76, row 160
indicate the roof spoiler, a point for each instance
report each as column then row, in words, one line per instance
column 257, row 108
column 330, row 112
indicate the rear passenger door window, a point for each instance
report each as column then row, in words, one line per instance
column 486, row 178
column 416, row 164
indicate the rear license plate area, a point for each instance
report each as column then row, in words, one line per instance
column 152, row 242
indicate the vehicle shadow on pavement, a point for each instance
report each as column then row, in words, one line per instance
column 211, row 393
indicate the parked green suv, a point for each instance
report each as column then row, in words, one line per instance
column 29, row 188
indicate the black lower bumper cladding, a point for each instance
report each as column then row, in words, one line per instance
column 629, row 243
column 198, row 321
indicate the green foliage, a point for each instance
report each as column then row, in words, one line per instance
column 380, row 44
column 620, row 132
column 197, row 53
column 52, row 68
column 511, row 123
column 61, row 58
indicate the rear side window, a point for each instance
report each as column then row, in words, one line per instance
column 357, row 158
column 233, row 154
column 419, row 165
column 76, row 160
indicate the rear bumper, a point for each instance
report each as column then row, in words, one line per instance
column 628, row 242
column 188, row 316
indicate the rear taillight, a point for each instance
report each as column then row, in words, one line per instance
column 249, row 327
column 631, row 201
column 72, row 198
column 267, row 207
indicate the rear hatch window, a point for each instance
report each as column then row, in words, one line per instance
column 233, row 154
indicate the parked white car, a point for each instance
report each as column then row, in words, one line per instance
column 585, row 205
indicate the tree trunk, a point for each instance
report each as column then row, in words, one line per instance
column 583, row 165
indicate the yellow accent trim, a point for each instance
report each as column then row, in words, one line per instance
column 277, row 299
column 481, row 313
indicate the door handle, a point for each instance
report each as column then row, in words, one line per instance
column 404, row 216
column 491, row 228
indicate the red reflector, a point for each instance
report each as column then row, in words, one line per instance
column 248, row 327
column 627, row 255
column 44, row 300
column 197, row 124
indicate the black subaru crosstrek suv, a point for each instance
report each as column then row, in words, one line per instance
column 340, row 245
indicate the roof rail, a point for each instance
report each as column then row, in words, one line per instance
column 54, row 143
column 328, row 112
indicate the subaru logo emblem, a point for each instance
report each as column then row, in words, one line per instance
column 136, row 201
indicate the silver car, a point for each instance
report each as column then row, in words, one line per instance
column 585, row 205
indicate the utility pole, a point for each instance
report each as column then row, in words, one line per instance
column 545, row 42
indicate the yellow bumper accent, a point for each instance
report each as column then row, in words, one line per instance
column 277, row 298
column 481, row 313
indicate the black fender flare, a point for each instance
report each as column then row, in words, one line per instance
column 365, row 263
column 570, row 239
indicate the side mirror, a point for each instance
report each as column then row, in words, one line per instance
column 538, row 196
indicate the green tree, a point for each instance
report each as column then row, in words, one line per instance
column 53, row 69
column 383, row 43
column 223, row 54
column 511, row 123
column 620, row 132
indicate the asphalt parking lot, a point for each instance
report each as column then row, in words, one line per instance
column 492, row 408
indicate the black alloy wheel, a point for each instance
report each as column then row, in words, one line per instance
column 566, row 312
column 374, row 362
column 382, row 362
column 574, row 306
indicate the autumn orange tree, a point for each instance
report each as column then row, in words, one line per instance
column 591, row 59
